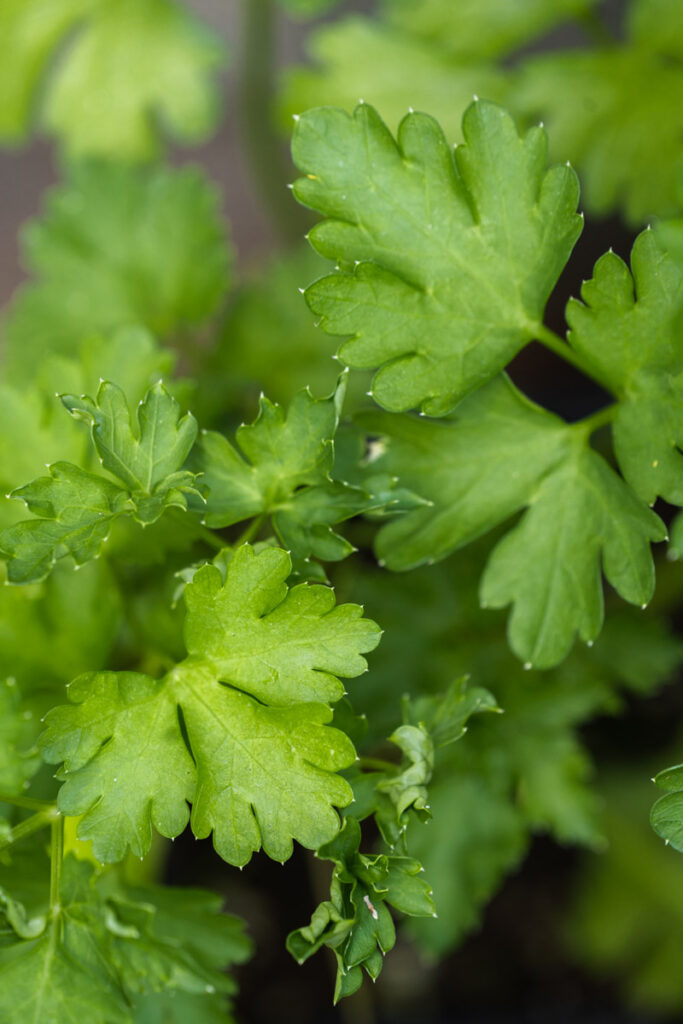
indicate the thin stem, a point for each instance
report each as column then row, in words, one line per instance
column 25, row 801
column 267, row 162
column 376, row 763
column 210, row 538
column 56, row 858
column 28, row 827
column 251, row 530
column 598, row 419
column 199, row 529
column 560, row 347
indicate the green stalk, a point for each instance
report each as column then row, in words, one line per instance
column 56, row 858
column 31, row 825
column 597, row 420
column 268, row 164
column 25, row 801
column 251, row 530
column 560, row 347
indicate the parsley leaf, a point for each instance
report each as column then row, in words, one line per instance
column 482, row 27
column 284, row 469
column 455, row 254
column 95, row 105
column 628, row 330
column 357, row 56
column 108, row 948
column 626, row 143
column 101, row 255
column 76, row 509
column 496, row 455
column 355, row 922
column 262, row 665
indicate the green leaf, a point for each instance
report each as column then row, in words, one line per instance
column 476, row 469
column 625, row 925
column 283, row 469
column 667, row 813
column 496, row 455
column 109, row 948
column 52, row 631
column 116, row 247
column 488, row 28
column 76, row 510
column 19, row 758
column 627, row 328
column 258, row 760
column 582, row 514
column 355, row 922
column 146, row 455
column 94, row 105
column 626, row 141
column 393, row 71
column 455, row 254
column 676, row 547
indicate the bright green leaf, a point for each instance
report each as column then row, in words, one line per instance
column 455, row 254
column 75, row 510
column 263, row 663
column 627, row 328
column 357, row 57
column 146, row 455
column 488, row 28
column 102, row 258
column 582, row 514
column 625, row 141
column 122, row 73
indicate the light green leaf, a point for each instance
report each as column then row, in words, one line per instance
column 116, row 247
column 75, row 510
column 19, row 758
column 657, row 25
column 395, row 72
column 626, row 141
column 627, row 328
column 263, row 662
column 125, row 729
column 487, row 28
column 146, row 455
column 580, row 515
column 127, row 71
column 52, row 631
column 455, row 254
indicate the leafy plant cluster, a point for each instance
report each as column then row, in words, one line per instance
column 184, row 633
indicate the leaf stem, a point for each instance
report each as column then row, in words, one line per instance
column 597, row 419
column 267, row 161
column 376, row 763
column 560, row 347
column 210, row 538
column 25, row 801
column 56, row 858
column 31, row 825
column 251, row 530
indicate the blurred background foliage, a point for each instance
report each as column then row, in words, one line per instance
column 124, row 238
